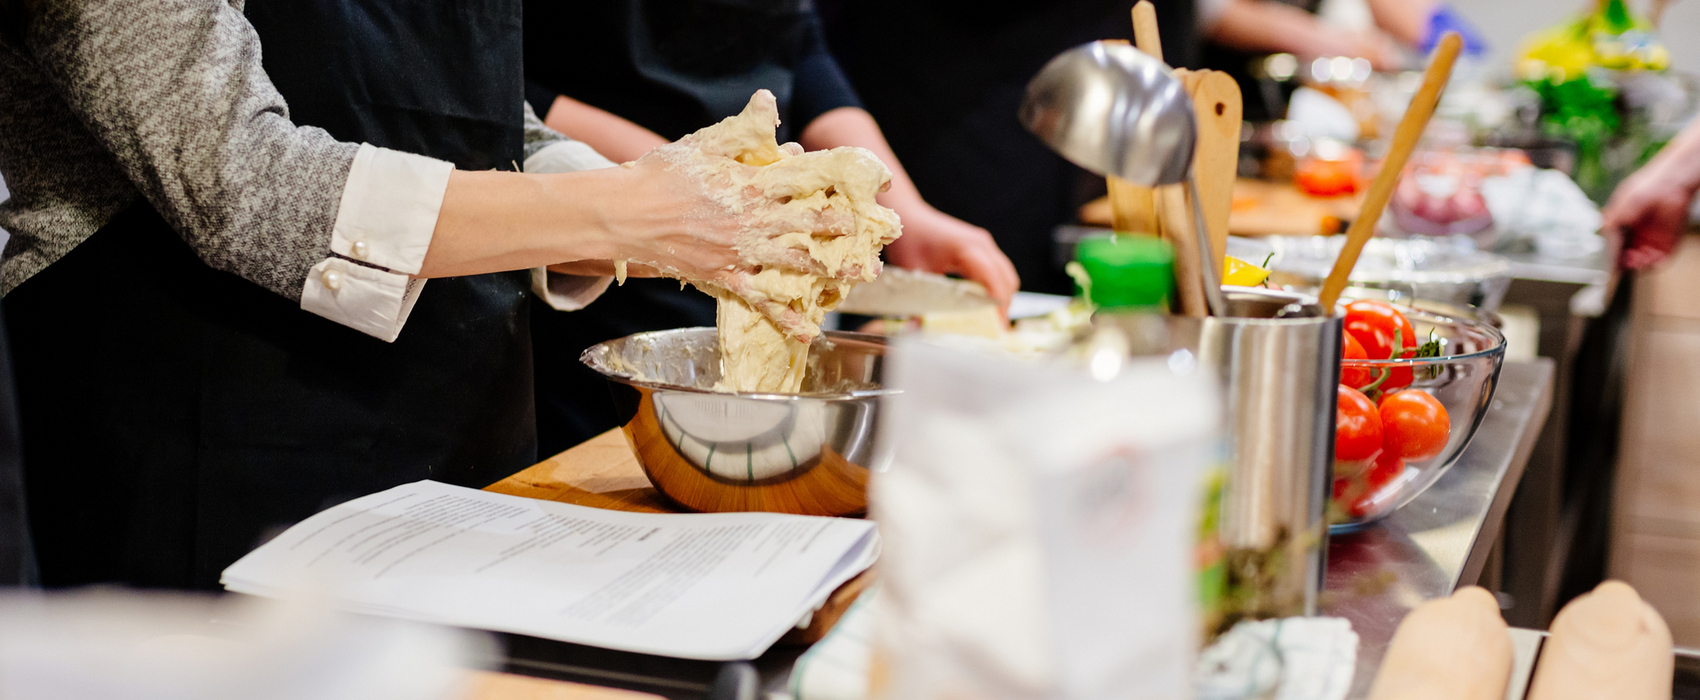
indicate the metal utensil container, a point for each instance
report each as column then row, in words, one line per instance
column 808, row 453
column 1278, row 358
column 1280, row 375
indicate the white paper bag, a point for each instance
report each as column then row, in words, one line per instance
column 1038, row 528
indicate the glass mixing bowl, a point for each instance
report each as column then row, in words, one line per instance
column 1462, row 379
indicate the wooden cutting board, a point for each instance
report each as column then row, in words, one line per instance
column 1280, row 209
column 603, row 472
column 1264, row 209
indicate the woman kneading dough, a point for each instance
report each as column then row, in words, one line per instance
column 766, row 324
column 241, row 291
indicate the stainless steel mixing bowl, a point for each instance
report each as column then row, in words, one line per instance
column 807, row 453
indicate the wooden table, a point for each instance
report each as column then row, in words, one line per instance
column 601, row 472
column 507, row 686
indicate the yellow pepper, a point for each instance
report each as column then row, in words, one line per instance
column 1239, row 273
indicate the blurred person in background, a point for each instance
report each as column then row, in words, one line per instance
column 1238, row 32
column 944, row 79
column 1276, row 26
column 1649, row 211
column 639, row 73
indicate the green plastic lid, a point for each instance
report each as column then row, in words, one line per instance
column 1128, row 271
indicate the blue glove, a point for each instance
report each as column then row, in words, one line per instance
column 1445, row 19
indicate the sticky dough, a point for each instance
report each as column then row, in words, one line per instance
column 838, row 185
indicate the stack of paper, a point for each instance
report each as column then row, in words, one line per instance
column 712, row 586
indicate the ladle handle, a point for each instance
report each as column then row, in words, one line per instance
column 1404, row 142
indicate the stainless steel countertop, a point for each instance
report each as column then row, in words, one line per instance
column 1440, row 540
column 1590, row 270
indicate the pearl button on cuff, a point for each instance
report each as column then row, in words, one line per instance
column 332, row 279
column 359, row 249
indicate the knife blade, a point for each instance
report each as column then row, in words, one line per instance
column 902, row 293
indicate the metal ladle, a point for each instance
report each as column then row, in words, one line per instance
column 1115, row 110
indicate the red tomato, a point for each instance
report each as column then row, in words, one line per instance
column 1326, row 178
column 1357, row 426
column 1374, row 323
column 1356, row 496
column 1414, row 425
column 1387, row 468
column 1353, row 375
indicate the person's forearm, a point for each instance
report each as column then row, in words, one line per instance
column 494, row 221
column 1406, row 20
column 1680, row 159
column 853, row 126
column 614, row 137
column 1263, row 25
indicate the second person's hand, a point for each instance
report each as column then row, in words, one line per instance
column 1648, row 212
column 1647, row 215
column 934, row 241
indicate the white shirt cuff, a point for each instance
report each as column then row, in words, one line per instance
column 372, row 301
column 566, row 292
column 566, row 157
column 386, row 218
column 389, row 208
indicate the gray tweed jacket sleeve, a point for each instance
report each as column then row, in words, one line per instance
column 174, row 90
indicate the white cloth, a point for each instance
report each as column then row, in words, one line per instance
column 836, row 667
column 383, row 229
column 1547, row 208
column 1300, row 658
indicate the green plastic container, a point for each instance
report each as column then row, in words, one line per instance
column 1128, row 272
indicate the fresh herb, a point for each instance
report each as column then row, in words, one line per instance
column 1432, row 348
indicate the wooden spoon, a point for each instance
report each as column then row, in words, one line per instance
column 1169, row 204
column 1133, row 209
column 1404, row 142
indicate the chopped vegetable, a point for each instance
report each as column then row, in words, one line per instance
column 1239, row 273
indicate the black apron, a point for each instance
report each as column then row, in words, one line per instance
column 174, row 415
column 17, row 555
